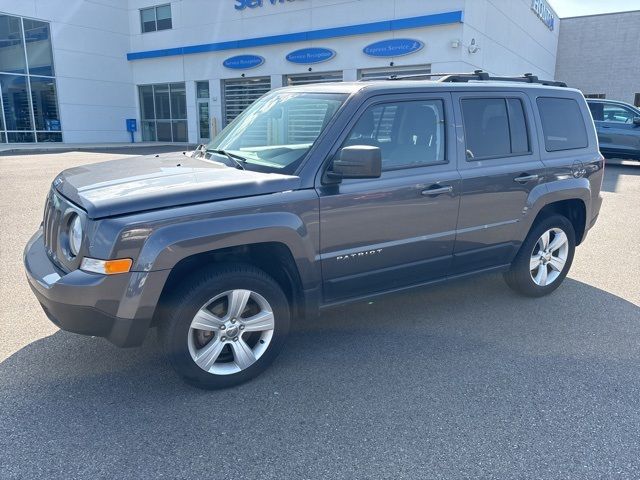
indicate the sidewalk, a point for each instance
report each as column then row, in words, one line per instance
column 28, row 148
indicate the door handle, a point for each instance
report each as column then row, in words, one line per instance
column 526, row 178
column 436, row 189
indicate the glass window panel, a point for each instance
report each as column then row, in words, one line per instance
column 203, row 119
column 616, row 114
column 486, row 127
column 45, row 106
column 148, row 20
column 11, row 48
column 597, row 111
column 47, row 137
column 20, row 137
column 179, row 131
column 17, row 112
column 149, row 131
column 178, row 101
column 202, row 89
column 164, row 131
column 146, row 102
column 518, row 126
column 3, row 137
column 163, row 16
column 409, row 134
column 38, row 40
column 562, row 124
column 162, row 101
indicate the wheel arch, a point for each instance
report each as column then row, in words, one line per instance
column 274, row 258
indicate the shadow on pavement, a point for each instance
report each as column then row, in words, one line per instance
column 613, row 173
column 464, row 380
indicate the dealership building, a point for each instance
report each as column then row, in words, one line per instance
column 75, row 71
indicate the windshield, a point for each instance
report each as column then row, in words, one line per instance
column 275, row 133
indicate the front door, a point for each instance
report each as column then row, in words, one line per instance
column 617, row 133
column 499, row 165
column 397, row 230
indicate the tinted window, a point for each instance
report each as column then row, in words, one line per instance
column 409, row 134
column 518, row 126
column 562, row 124
column 494, row 127
column 597, row 111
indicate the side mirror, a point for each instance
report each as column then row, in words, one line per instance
column 636, row 121
column 358, row 161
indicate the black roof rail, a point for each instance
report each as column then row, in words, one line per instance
column 476, row 76
column 479, row 75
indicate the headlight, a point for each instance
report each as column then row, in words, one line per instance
column 75, row 235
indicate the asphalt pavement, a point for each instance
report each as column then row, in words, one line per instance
column 465, row 380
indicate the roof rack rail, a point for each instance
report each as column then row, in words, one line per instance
column 479, row 75
column 476, row 76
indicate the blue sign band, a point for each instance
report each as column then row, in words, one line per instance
column 325, row 33
column 243, row 62
column 393, row 48
column 307, row 56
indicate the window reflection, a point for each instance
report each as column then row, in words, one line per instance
column 164, row 112
column 28, row 89
column 38, row 42
column 11, row 47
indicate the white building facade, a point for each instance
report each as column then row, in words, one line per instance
column 75, row 70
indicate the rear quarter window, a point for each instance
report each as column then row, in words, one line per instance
column 562, row 124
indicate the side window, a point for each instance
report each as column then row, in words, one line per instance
column 616, row 114
column 494, row 127
column 597, row 111
column 156, row 18
column 409, row 134
column 562, row 124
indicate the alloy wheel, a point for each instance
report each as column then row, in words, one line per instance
column 549, row 257
column 231, row 332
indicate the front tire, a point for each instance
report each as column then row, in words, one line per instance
column 224, row 326
column 544, row 259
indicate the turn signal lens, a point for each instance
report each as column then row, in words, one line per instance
column 106, row 267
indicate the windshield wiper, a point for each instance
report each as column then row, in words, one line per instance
column 237, row 160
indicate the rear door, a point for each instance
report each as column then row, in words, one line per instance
column 397, row 230
column 500, row 165
column 616, row 132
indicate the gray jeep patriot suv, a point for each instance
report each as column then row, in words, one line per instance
column 316, row 196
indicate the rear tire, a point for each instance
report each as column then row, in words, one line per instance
column 224, row 325
column 544, row 259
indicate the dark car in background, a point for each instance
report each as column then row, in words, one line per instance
column 618, row 127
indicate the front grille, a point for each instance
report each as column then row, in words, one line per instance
column 56, row 215
column 51, row 224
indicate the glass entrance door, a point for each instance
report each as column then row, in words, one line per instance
column 204, row 122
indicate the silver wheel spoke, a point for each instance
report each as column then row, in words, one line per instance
column 205, row 320
column 544, row 240
column 541, row 277
column 534, row 262
column 260, row 322
column 559, row 240
column 207, row 355
column 242, row 354
column 237, row 302
column 557, row 263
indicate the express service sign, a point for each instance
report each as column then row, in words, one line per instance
column 393, row 48
column 544, row 13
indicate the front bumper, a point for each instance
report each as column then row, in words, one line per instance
column 117, row 307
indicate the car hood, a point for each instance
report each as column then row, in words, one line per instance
column 159, row 181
